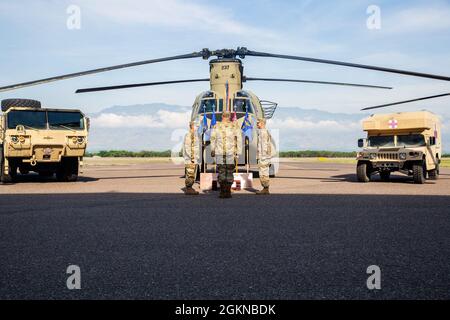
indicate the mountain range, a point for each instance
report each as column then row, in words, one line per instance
column 159, row 126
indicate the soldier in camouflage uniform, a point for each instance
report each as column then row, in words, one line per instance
column 191, row 154
column 226, row 146
column 264, row 154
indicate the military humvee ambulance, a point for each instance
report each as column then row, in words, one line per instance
column 46, row 141
column 409, row 142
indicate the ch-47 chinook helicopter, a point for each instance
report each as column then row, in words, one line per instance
column 226, row 86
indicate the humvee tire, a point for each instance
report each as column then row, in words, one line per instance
column 419, row 173
column 434, row 174
column 68, row 170
column 385, row 175
column 362, row 172
column 25, row 103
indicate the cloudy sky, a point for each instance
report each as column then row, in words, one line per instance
column 414, row 35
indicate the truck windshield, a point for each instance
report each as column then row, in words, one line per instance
column 411, row 140
column 31, row 119
column 65, row 120
column 27, row 118
column 381, row 141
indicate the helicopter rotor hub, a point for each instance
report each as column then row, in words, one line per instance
column 240, row 52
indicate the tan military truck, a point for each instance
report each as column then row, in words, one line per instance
column 409, row 142
column 42, row 140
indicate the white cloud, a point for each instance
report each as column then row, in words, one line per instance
column 300, row 124
column 162, row 120
column 173, row 13
column 419, row 19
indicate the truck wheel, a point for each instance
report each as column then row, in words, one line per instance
column 385, row 175
column 13, row 172
column 2, row 167
column 4, row 178
column 419, row 173
column 25, row 103
column 362, row 172
column 68, row 170
column 434, row 174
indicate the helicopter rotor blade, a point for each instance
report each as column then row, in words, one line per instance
column 406, row 101
column 346, row 64
column 135, row 85
column 318, row 82
column 98, row 70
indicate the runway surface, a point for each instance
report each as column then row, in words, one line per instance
column 135, row 235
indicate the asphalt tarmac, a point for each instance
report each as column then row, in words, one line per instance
column 134, row 234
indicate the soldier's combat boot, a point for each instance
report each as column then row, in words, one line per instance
column 264, row 190
column 225, row 191
column 228, row 191
column 222, row 191
column 190, row 192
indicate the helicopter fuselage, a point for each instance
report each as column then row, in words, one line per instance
column 226, row 94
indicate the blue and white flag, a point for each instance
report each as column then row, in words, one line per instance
column 247, row 127
column 204, row 124
column 213, row 120
column 212, row 125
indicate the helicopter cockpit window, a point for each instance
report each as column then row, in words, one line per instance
column 220, row 105
column 208, row 105
column 242, row 94
column 242, row 105
column 208, row 94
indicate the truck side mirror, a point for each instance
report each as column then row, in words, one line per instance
column 88, row 123
column 432, row 141
column 360, row 143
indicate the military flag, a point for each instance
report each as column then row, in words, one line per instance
column 247, row 127
column 234, row 117
column 212, row 125
column 226, row 96
column 204, row 124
